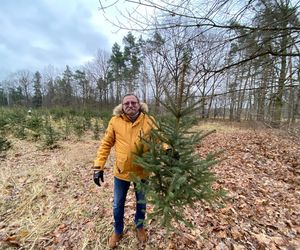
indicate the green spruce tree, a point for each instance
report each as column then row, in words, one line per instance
column 178, row 176
column 37, row 98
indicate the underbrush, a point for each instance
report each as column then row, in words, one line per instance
column 48, row 127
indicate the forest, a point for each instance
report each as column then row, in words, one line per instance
column 238, row 71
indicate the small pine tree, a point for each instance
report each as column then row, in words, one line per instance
column 66, row 127
column 37, row 97
column 105, row 117
column 78, row 127
column 96, row 130
column 19, row 131
column 4, row 144
column 34, row 125
column 178, row 176
column 50, row 136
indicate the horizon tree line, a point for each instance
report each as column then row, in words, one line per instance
column 254, row 76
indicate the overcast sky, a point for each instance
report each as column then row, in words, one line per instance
column 38, row 33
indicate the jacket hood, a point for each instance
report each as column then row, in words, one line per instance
column 118, row 109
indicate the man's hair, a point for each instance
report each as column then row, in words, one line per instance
column 130, row 94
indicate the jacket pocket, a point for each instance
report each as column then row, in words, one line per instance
column 121, row 162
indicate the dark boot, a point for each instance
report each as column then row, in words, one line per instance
column 141, row 234
column 114, row 239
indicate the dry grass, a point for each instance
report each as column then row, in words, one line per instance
column 49, row 201
column 45, row 192
column 218, row 126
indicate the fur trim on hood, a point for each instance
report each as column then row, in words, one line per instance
column 118, row 109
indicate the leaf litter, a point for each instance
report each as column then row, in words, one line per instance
column 49, row 201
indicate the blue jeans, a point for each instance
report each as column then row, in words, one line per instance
column 120, row 192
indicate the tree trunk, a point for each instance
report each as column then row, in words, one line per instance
column 211, row 98
column 241, row 98
column 261, row 100
column 291, row 97
column 276, row 119
column 232, row 89
column 296, row 111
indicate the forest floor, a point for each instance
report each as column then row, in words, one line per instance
column 49, row 201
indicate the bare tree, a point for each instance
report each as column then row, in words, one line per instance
column 24, row 79
column 98, row 75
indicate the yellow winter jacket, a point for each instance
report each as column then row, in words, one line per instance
column 125, row 136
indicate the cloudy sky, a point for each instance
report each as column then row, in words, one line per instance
column 38, row 33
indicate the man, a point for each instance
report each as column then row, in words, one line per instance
column 129, row 122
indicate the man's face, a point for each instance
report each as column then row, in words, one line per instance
column 130, row 105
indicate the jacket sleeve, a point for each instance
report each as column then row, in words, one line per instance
column 106, row 144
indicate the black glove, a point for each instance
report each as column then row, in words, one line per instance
column 173, row 153
column 176, row 155
column 97, row 176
